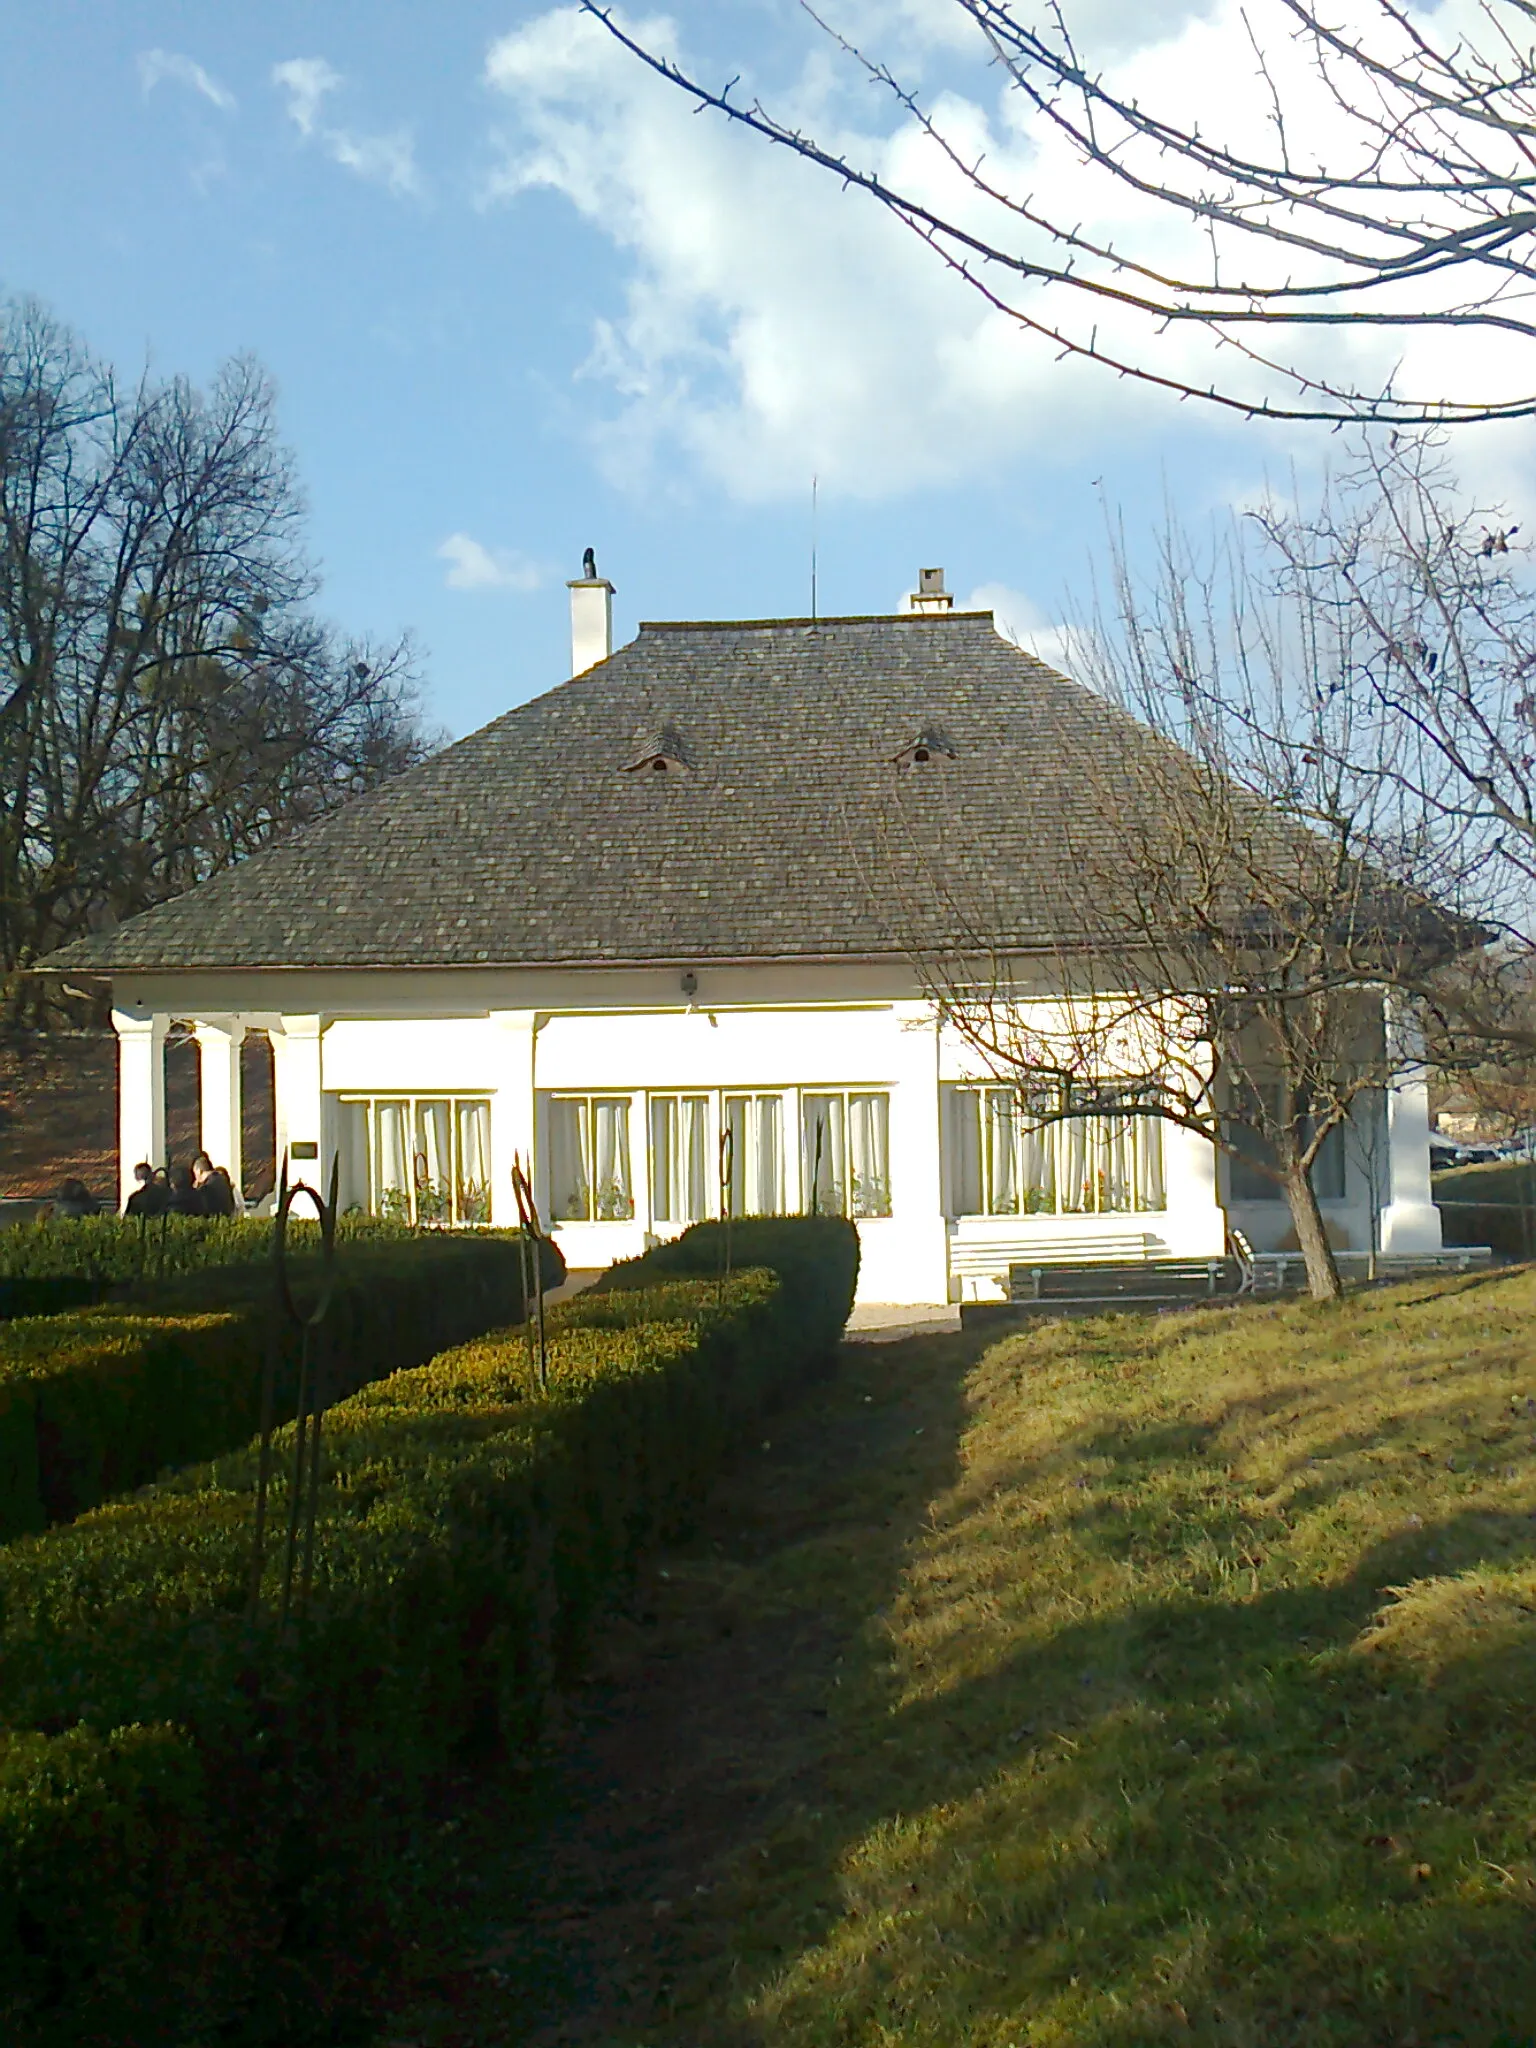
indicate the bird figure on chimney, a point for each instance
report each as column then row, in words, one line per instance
column 589, row 566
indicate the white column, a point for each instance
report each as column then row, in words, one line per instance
column 1410, row 1222
column 512, row 1113
column 1195, row 1224
column 218, row 1045
column 301, row 1134
column 913, row 1265
column 140, row 1093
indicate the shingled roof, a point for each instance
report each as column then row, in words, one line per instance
column 798, row 827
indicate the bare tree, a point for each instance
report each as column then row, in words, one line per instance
column 1263, row 919
column 1411, row 205
column 1441, row 672
column 168, row 701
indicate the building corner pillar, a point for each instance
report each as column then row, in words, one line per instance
column 1410, row 1222
column 912, row 1267
column 219, row 1099
column 140, row 1093
column 303, row 1140
column 512, row 1110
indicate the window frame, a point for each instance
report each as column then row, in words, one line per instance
column 790, row 1172
column 846, row 1096
column 1055, row 1135
column 1249, row 1148
column 589, row 1098
column 449, row 1214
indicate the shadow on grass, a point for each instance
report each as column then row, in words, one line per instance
column 575, row 1894
column 1206, row 1820
column 1211, row 1817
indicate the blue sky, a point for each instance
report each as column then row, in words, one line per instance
column 518, row 299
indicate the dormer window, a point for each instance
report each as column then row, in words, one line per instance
column 657, row 752
column 931, row 745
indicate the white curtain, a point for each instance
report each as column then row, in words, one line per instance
column 355, row 1190
column 679, row 1158
column 868, row 1157
column 1002, row 1144
column 391, row 1161
column 821, row 1118
column 1147, row 1178
column 999, row 1162
column 755, row 1125
column 1076, row 1166
column 1037, row 1161
column 570, row 1165
column 432, row 1165
column 473, row 1190
column 615, row 1198
column 962, row 1152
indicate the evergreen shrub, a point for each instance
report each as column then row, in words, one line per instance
column 1492, row 1204
column 254, row 1794
column 98, row 1402
column 117, row 1250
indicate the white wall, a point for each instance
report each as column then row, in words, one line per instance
column 511, row 1035
column 880, row 1047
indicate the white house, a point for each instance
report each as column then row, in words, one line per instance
column 642, row 933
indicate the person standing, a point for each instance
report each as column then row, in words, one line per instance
column 152, row 1195
column 212, row 1186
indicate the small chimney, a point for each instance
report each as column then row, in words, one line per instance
column 591, row 616
column 930, row 594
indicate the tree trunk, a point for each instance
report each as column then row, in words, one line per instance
column 1323, row 1282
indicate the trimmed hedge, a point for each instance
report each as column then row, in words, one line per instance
column 116, row 1250
column 50, row 1294
column 1493, row 1204
column 820, row 1268
column 95, row 1403
column 252, row 1798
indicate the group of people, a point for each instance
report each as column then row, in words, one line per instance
column 201, row 1189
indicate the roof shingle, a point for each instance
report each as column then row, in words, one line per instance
column 792, row 834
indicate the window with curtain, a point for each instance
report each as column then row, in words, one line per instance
column 1247, row 1179
column 1001, row 1160
column 419, row 1159
column 845, row 1140
column 680, row 1162
column 754, row 1128
column 589, row 1176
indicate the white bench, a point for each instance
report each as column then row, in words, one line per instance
column 1273, row 1272
column 984, row 1259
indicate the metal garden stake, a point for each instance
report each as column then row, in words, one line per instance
column 533, row 1276
column 313, row 1394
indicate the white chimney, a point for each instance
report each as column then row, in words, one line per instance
column 930, row 594
column 591, row 616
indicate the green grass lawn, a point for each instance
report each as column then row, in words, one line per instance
column 1177, row 1682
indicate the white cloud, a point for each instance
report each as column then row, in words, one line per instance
column 155, row 65
column 473, row 566
column 387, row 159
column 774, row 325
column 304, row 83
column 1019, row 619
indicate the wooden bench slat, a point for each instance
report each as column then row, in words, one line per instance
column 1154, row 1280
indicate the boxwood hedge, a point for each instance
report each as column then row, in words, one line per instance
column 205, row 1825
column 96, row 1402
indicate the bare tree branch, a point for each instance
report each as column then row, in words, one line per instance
column 168, row 701
column 1423, row 216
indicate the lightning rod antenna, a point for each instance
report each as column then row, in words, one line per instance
column 813, row 550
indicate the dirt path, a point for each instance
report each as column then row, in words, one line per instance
column 588, row 1900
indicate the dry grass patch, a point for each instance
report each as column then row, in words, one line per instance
column 1205, row 1710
